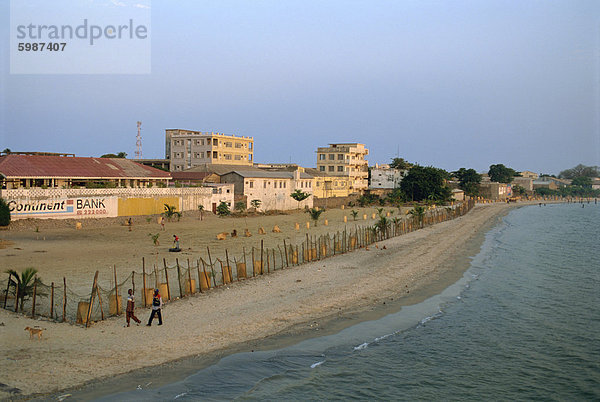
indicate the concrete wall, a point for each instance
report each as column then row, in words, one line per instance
column 97, row 203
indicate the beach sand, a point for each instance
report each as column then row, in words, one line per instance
column 261, row 312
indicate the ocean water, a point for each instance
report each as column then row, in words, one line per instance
column 522, row 324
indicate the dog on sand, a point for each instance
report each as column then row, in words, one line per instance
column 35, row 331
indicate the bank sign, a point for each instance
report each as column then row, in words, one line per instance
column 64, row 208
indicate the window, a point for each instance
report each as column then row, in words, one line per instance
column 239, row 145
column 215, row 155
column 238, row 157
column 321, row 157
column 284, row 184
column 322, row 168
column 274, row 184
column 340, row 169
column 227, row 157
column 265, row 184
column 331, row 157
column 310, row 184
column 249, row 157
column 228, row 144
column 331, row 168
column 251, row 184
column 318, row 184
column 215, row 142
column 340, row 157
column 250, row 145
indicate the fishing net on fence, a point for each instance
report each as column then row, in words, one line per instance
column 175, row 280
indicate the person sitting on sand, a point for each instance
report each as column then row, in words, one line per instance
column 156, row 307
column 130, row 307
column 175, row 241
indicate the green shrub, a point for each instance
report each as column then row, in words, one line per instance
column 4, row 213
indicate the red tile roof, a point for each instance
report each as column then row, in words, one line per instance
column 74, row 167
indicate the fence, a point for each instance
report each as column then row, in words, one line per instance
column 187, row 277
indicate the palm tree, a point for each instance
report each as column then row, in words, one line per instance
column 354, row 214
column 314, row 214
column 299, row 196
column 170, row 211
column 201, row 209
column 255, row 204
column 23, row 284
column 419, row 214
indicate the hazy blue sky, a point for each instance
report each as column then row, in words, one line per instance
column 445, row 83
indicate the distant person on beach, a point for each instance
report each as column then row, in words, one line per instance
column 175, row 241
column 162, row 223
column 156, row 307
column 130, row 307
column 129, row 223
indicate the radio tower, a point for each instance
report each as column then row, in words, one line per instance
column 138, row 141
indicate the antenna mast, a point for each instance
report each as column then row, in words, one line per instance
column 138, row 141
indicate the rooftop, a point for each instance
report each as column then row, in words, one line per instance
column 40, row 166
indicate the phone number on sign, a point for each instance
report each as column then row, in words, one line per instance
column 41, row 46
column 92, row 212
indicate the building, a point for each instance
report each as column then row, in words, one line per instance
column 187, row 149
column 525, row 182
column 529, row 174
column 345, row 160
column 550, row 182
column 385, row 177
column 67, row 171
column 272, row 188
column 326, row 185
column 495, row 191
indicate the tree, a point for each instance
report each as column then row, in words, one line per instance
column 518, row 190
column 400, row 163
column 468, row 180
column 7, row 151
column 582, row 181
column 118, row 155
column 240, row 206
column 423, row 183
column 299, row 196
column 201, row 209
column 502, row 174
column 255, row 204
column 223, row 209
column 418, row 213
column 4, row 213
column 23, row 284
column 354, row 214
column 170, row 212
column 314, row 213
column 580, row 171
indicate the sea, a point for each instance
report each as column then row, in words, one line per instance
column 523, row 323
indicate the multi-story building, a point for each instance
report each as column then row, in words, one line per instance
column 345, row 160
column 187, row 149
column 386, row 177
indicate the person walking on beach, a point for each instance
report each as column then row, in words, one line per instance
column 156, row 307
column 130, row 307
column 162, row 223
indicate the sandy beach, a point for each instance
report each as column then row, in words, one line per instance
column 331, row 293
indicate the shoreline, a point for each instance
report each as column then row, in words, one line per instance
column 439, row 256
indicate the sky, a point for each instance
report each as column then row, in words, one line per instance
column 444, row 83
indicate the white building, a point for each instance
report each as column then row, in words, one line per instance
column 385, row 177
column 273, row 189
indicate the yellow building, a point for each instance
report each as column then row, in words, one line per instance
column 327, row 186
column 187, row 149
column 345, row 161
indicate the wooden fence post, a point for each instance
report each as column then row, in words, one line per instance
column 64, row 298
column 212, row 271
column 89, row 312
column 34, row 296
column 167, row 279
column 262, row 264
column 179, row 278
column 100, row 302
column 230, row 269
column 144, row 281
column 116, row 292
column 52, row 300
column 7, row 288
column 199, row 279
column 192, row 288
column 287, row 263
